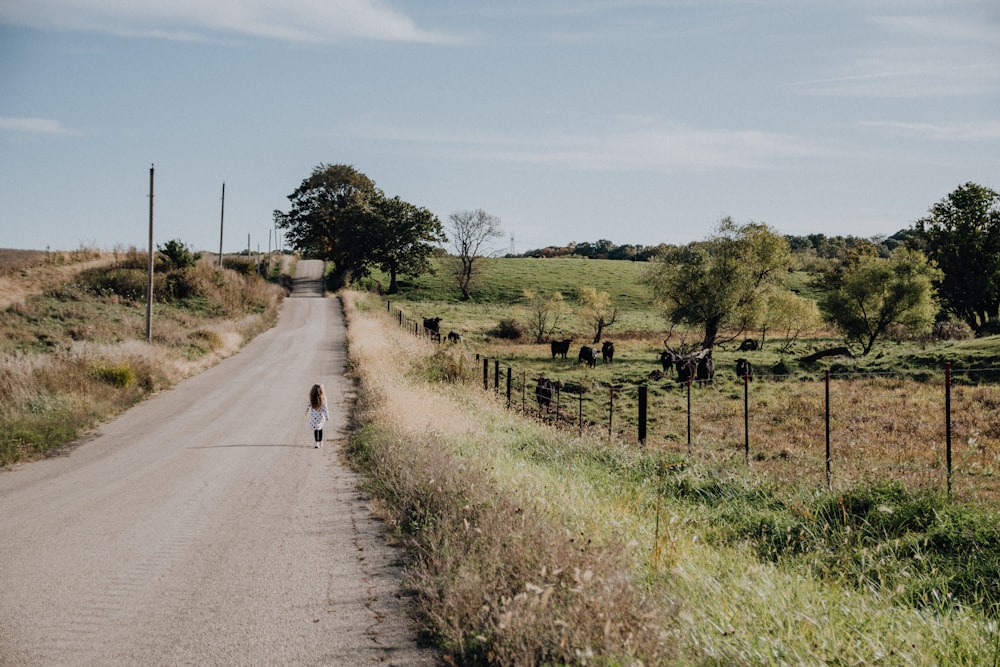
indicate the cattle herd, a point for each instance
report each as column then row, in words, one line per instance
column 693, row 367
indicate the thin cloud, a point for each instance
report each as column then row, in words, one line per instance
column 626, row 144
column 33, row 125
column 918, row 56
column 989, row 131
column 294, row 20
column 894, row 75
column 938, row 27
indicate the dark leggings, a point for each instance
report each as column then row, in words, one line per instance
column 318, row 434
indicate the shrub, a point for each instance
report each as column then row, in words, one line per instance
column 781, row 369
column 203, row 341
column 951, row 330
column 117, row 375
column 449, row 365
column 128, row 283
column 242, row 266
column 179, row 255
column 508, row 329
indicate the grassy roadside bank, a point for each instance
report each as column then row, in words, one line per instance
column 73, row 348
column 530, row 546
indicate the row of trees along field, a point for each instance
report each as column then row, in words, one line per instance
column 946, row 266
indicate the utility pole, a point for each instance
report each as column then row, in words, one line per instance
column 149, row 281
column 222, row 217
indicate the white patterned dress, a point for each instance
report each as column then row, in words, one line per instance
column 318, row 417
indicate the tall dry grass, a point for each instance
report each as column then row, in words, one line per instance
column 500, row 578
column 73, row 351
column 532, row 546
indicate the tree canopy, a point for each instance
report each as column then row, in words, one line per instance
column 402, row 237
column 961, row 234
column 721, row 281
column 338, row 214
column 870, row 294
column 597, row 310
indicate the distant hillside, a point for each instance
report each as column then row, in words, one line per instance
column 501, row 281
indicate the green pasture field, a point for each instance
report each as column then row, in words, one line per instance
column 641, row 329
column 786, row 400
column 501, row 281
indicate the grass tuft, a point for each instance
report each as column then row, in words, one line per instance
column 117, row 375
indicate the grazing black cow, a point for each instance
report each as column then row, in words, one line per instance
column 589, row 355
column 668, row 358
column 608, row 351
column 454, row 337
column 432, row 324
column 560, row 347
column 686, row 367
column 704, row 367
column 744, row 369
column 748, row 345
column 543, row 392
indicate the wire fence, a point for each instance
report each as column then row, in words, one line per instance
column 936, row 429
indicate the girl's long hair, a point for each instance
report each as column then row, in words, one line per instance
column 316, row 396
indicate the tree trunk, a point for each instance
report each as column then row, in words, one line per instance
column 465, row 278
column 711, row 333
column 393, row 287
column 833, row 352
column 338, row 279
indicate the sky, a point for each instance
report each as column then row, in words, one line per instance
column 636, row 121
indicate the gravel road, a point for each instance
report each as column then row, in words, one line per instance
column 203, row 528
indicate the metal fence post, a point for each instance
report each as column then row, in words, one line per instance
column 524, row 382
column 508, row 387
column 829, row 484
column 947, row 420
column 689, row 413
column 611, row 409
column 642, row 414
column 746, row 419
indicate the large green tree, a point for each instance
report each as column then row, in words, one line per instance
column 961, row 234
column 338, row 214
column 403, row 238
column 719, row 283
column 869, row 294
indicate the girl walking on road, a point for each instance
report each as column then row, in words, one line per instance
column 318, row 412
